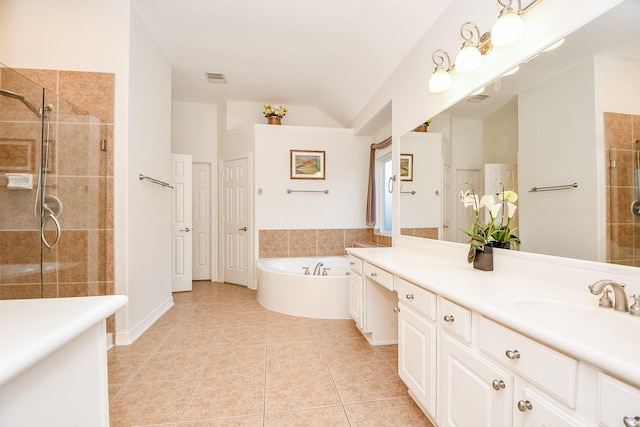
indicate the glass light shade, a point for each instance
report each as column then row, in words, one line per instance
column 507, row 30
column 468, row 59
column 440, row 81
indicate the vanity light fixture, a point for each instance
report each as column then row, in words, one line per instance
column 440, row 80
column 470, row 55
column 509, row 27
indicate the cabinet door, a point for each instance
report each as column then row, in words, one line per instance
column 355, row 299
column 473, row 391
column 532, row 409
column 417, row 357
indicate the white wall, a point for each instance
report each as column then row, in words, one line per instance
column 500, row 134
column 243, row 114
column 148, row 205
column 194, row 130
column 346, row 162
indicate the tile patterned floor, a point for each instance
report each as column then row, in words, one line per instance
column 218, row 358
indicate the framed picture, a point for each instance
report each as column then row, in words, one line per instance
column 406, row 167
column 307, row 164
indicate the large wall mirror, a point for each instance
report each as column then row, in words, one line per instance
column 566, row 124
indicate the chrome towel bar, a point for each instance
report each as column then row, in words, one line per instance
column 155, row 181
column 289, row 191
column 554, row 187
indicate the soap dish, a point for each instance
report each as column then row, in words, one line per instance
column 19, row 181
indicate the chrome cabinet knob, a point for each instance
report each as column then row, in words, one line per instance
column 373, row 274
column 352, row 263
column 396, row 309
column 498, row 384
column 524, row 406
column 512, row 354
column 449, row 318
column 409, row 296
column 631, row 421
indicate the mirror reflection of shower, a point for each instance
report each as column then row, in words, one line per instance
column 47, row 208
column 635, row 206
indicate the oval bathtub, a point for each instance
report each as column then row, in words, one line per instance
column 282, row 287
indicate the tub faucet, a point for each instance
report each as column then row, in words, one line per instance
column 316, row 270
column 621, row 302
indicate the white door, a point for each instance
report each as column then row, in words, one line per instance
column 235, row 208
column 201, row 221
column 181, row 222
column 499, row 176
column 446, row 202
column 464, row 217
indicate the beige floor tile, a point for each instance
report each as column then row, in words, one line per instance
column 254, row 421
column 123, row 364
column 361, row 382
column 299, row 388
column 242, row 335
column 246, row 318
column 350, row 351
column 333, row 416
column 228, row 396
column 189, row 340
column 292, row 331
column 173, row 366
column 235, row 360
column 292, row 354
column 149, row 403
column 201, row 320
column 401, row 412
column 337, row 330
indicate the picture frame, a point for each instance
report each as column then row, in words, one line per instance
column 406, row 167
column 307, row 164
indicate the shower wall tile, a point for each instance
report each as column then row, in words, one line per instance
column 80, row 256
column 19, row 291
column 624, row 172
column 92, row 91
column 618, row 131
column 47, row 79
column 330, row 242
column 16, row 209
column 621, row 199
column 10, row 80
column 19, row 147
column 81, row 154
column 302, row 243
column 84, row 200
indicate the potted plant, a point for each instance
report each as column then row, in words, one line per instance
column 273, row 114
column 483, row 236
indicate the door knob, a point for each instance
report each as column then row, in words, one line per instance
column 186, row 229
column 242, row 229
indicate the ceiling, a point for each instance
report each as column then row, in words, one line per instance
column 330, row 54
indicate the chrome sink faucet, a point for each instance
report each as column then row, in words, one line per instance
column 621, row 301
column 316, row 271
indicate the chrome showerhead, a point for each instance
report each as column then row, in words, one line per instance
column 21, row 98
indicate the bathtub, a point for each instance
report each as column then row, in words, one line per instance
column 282, row 287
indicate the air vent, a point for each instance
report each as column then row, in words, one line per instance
column 477, row 98
column 215, row 77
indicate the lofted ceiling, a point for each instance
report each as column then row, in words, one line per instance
column 330, row 54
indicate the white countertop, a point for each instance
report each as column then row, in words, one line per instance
column 562, row 317
column 31, row 330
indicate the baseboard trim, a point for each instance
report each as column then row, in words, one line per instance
column 130, row 336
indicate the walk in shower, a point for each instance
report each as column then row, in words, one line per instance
column 56, row 182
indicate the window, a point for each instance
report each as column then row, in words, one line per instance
column 385, row 205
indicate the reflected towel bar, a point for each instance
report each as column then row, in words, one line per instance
column 412, row 192
column 289, row 191
column 554, row 187
column 155, row 181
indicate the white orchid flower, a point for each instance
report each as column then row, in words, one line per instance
column 469, row 199
column 511, row 209
column 490, row 203
column 509, row 195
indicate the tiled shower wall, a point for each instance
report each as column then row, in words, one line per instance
column 315, row 242
column 622, row 142
column 80, row 175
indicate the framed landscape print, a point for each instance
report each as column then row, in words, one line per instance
column 307, row 164
column 406, row 167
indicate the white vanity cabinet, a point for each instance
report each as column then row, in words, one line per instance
column 373, row 302
column 417, row 343
column 356, row 296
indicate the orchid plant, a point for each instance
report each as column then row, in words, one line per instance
column 271, row 111
column 481, row 233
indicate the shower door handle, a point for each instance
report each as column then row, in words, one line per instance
column 45, row 220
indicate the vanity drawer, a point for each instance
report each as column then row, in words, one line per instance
column 616, row 400
column 455, row 319
column 551, row 370
column 414, row 296
column 355, row 264
column 379, row 275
